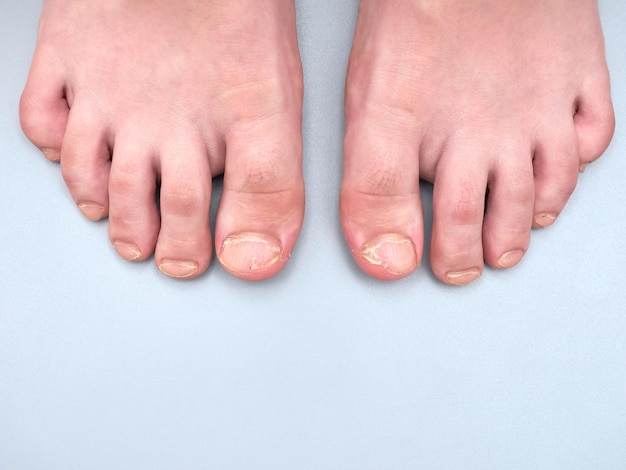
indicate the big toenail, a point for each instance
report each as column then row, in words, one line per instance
column 461, row 278
column 54, row 155
column 249, row 252
column 545, row 220
column 127, row 251
column 92, row 211
column 178, row 269
column 393, row 252
column 510, row 259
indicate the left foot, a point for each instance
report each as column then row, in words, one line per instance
column 507, row 96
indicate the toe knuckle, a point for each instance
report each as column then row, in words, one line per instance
column 182, row 201
column 466, row 211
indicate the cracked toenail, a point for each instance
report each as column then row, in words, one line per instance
column 178, row 269
column 461, row 278
column 583, row 167
column 545, row 220
column 127, row 251
column 511, row 258
column 393, row 252
column 92, row 210
column 248, row 252
column 54, row 155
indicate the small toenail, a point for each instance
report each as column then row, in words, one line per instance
column 92, row 211
column 461, row 278
column 545, row 220
column 583, row 167
column 249, row 252
column 178, row 269
column 510, row 259
column 127, row 251
column 53, row 155
column 393, row 252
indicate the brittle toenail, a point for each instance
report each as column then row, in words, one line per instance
column 393, row 252
column 92, row 210
column 248, row 252
column 127, row 251
column 545, row 220
column 461, row 278
column 54, row 155
column 178, row 269
column 510, row 259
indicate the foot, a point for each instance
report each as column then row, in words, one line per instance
column 133, row 96
column 504, row 97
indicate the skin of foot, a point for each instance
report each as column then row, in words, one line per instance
column 509, row 98
column 136, row 98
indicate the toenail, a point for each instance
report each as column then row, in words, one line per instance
column 510, row 259
column 53, row 155
column 461, row 278
column 127, row 251
column 178, row 269
column 249, row 252
column 92, row 211
column 393, row 252
column 583, row 167
column 545, row 220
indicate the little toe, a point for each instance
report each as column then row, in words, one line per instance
column 458, row 212
column 556, row 168
column 43, row 108
column 133, row 215
column 86, row 161
column 262, row 207
column 594, row 120
column 380, row 209
column 509, row 214
column 183, row 247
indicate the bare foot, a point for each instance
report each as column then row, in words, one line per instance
column 133, row 95
column 508, row 96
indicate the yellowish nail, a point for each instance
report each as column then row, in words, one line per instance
column 127, row 251
column 545, row 220
column 249, row 251
column 461, row 278
column 54, row 155
column 92, row 210
column 510, row 259
column 393, row 252
column 178, row 269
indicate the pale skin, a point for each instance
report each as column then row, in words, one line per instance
column 509, row 96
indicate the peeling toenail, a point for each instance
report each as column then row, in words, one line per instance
column 92, row 211
column 393, row 252
column 127, row 251
column 545, row 220
column 249, row 252
column 53, row 155
column 178, row 269
column 510, row 259
column 462, row 278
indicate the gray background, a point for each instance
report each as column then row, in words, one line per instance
column 107, row 364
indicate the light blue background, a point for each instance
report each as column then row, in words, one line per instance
column 110, row 365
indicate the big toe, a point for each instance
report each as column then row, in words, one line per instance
column 380, row 209
column 262, row 207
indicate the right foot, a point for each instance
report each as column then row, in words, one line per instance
column 133, row 95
